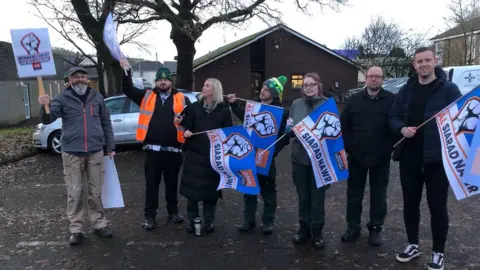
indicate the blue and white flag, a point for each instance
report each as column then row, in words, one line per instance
column 232, row 155
column 110, row 38
column 262, row 123
column 456, row 126
column 321, row 136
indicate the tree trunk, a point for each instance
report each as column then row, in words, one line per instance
column 185, row 52
column 101, row 85
column 114, row 79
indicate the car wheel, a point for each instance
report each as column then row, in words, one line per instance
column 54, row 143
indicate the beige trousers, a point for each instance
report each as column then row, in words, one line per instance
column 84, row 180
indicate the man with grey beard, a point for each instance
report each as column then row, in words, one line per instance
column 368, row 142
column 86, row 132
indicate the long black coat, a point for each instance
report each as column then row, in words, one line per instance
column 199, row 180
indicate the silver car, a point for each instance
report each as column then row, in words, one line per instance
column 124, row 116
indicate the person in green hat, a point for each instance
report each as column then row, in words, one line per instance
column 162, row 136
column 272, row 94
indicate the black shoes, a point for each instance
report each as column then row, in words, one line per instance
column 247, row 226
column 375, row 238
column 267, row 228
column 175, row 218
column 104, row 232
column 410, row 253
column 303, row 235
column 75, row 239
column 149, row 224
column 350, row 235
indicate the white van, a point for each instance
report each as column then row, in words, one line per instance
column 465, row 77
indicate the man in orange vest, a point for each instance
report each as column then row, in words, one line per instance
column 162, row 139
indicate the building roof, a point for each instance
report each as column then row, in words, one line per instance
column 147, row 66
column 470, row 26
column 172, row 65
column 236, row 45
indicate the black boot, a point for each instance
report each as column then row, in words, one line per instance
column 149, row 224
column 247, row 225
column 190, row 227
column 317, row 239
column 303, row 234
column 267, row 228
column 350, row 235
column 375, row 238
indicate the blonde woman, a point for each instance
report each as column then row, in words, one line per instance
column 199, row 181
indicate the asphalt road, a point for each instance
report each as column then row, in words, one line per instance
column 33, row 228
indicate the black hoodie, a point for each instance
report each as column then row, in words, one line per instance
column 443, row 93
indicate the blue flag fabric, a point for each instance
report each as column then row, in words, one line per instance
column 232, row 155
column 262, row 123
column 321, row 135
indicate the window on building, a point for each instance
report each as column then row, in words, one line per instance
column 439, row 50
column 141, row 74
column 297, row 81
column 471, row 49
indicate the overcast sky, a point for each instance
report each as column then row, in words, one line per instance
column 327, row 27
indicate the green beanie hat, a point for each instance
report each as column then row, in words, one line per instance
column 163, row 73
column 275, row 85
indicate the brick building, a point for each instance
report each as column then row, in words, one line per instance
column 243, row 65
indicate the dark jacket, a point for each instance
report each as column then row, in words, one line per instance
column 444, row 93
column 85, row 127
column 199, row 180
column 161, row 129
column 238, row 109
column 366, row 132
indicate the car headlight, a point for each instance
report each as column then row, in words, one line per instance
column 40, row 128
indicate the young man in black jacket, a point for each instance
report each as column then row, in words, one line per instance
column 162, row 139
column 271, row 94
column 425, row 94
column 368, row 142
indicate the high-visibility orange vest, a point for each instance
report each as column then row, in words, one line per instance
column 146, row 111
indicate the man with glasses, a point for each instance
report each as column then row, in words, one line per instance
column 368, row 142
column 86, row 130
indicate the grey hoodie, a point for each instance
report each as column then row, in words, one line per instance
column 299, row 110
column 85, row 128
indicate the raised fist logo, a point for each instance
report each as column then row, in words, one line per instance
column 327, row 126
column 236, row 145
column 31, row 43
column 467, row 118
column 264, row 124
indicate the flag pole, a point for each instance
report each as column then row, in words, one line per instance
column 275, row 142
column 435, row 115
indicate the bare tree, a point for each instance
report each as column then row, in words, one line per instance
column 385, row 44
column 465, row 16
column 190, row 18
column 81, row 22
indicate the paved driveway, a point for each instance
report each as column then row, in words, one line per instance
column 33, row 229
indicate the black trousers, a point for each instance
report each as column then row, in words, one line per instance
column 413, row 176
column 158, row 164
column 379, row 178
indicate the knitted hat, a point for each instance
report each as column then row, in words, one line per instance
column 275, row 85
column 163, row 73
